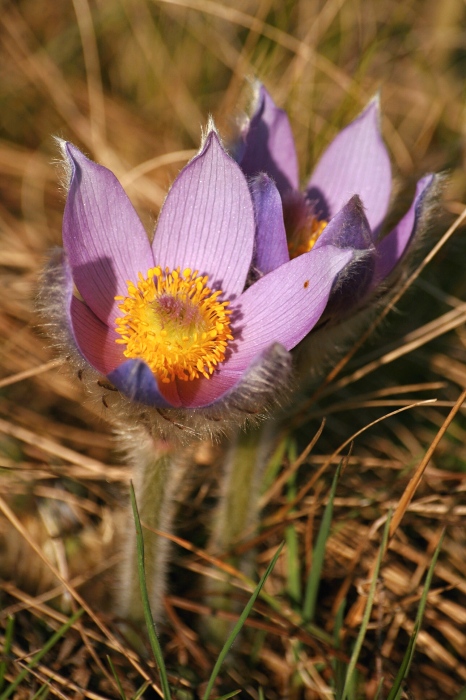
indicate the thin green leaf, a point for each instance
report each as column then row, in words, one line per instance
column 403, row 671
column 117, row 680
column 293, row 567
column 229, row 695
column 257, row 645
column 339, row 666
column 238, row 626
column 366, row 616
column 42, row 693
column 338, row 623
column 379, row 689
column 150, row 624
column 6, row 648
column 353, row 686
column 273, row 465
column 141, row 690
column 37, row 657
column 277, row 606
column 313, row 581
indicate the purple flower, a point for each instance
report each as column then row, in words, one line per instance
column 344, row 202
column 173, row 323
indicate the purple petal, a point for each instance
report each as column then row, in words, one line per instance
column 283, row 306
column 348, row 229
column 103, row 237
column 392, row 247
column 136, row 380
column 250, row 390
column 356, row 162
column 203, row 392
column 207, row 221
column 94, row 339
column 271, row 244
column 269, row 144
column 352, row 287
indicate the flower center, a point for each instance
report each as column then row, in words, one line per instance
column 302, row 226
column 175, row 323
column 305, row 237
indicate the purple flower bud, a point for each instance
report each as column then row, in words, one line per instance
column 344, row 203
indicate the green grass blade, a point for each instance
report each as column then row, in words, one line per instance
column 7, row 648
column 461, row 695
column 274, row 465
column 403, row 671
column 257, row 644
column 293, row 566
column 313, row 581
column 379, row 689
column 141, row 690
column 117, row 680
column 37, row 657
column 339, row 666
column 366, row 616
column 229, row 695
column 42, row 693
column 150, row 624
column 313, row 629
column 237, row 628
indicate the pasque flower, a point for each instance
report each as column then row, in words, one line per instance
column 344, row 203
column 178, row 331
column 182, row 322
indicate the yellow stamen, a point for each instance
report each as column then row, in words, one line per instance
column 304, row 240
column 175, row 323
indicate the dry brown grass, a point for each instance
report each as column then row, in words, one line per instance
column 131, row 82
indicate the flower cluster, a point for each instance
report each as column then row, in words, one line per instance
column 344, row 203
column 242, row 267
column 182, row 324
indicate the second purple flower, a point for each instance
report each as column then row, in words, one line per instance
column 344, row 203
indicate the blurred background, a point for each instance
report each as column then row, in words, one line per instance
column 132, row 83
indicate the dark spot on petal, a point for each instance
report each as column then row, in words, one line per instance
column 306, row 284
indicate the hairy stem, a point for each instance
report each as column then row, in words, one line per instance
column 237, row 514
column 157, row 472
